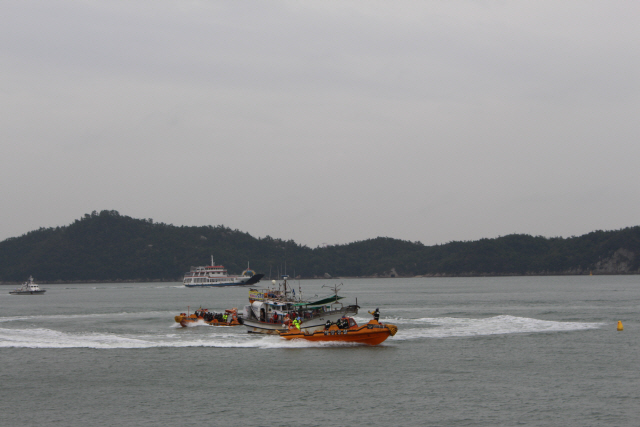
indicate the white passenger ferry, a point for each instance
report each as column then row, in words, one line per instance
column 216, row 275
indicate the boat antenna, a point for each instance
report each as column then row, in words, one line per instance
column 334, row 288
column 212, row 261
column 284, row 282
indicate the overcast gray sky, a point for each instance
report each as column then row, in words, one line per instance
column 326, row 121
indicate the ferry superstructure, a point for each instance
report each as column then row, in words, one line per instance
column 216, row 276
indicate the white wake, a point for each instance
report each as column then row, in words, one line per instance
column 445, row 327
column 236, row 337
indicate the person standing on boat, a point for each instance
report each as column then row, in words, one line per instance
column 344, row 323
column 296, row 323
column 375, row 314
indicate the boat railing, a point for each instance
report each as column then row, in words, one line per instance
column 322, row 311
column 265, row 294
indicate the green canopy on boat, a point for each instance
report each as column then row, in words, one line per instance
column 321, row 302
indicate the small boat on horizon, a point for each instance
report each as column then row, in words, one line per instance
column 217, row 276
column 28, row 288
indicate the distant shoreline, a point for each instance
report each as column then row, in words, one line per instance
column 109, row 244
column 90, row 282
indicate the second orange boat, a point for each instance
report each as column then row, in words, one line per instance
column 229, row 318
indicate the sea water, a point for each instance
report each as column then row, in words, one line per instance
column 532, row 351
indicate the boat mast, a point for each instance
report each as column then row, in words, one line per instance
column 285, row 277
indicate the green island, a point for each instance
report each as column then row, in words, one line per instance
column 107, row 246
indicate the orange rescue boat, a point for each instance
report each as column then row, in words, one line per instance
column 210, row 318
column 373, row 333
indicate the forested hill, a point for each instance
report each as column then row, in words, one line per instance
column 107, row 246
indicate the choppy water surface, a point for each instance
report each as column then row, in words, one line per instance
column 539, row 351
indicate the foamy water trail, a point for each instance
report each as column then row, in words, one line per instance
column 47, row 338
column 83, row 316
column 445, row 327
column 199, row 322
column 409, row 329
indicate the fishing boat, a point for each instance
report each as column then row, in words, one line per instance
column 216, row 276
column 373, row 333
column 271, row 310
column 228, row 318
column 28, row 288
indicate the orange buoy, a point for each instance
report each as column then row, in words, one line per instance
column 620, row 327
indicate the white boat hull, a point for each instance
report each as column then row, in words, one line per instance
column 40, row 292
column 240, row 281
column 254, row 325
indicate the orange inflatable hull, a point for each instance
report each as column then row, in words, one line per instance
column 373, row 333
column 185, row 319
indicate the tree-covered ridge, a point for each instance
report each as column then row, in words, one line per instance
column 108, row 246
